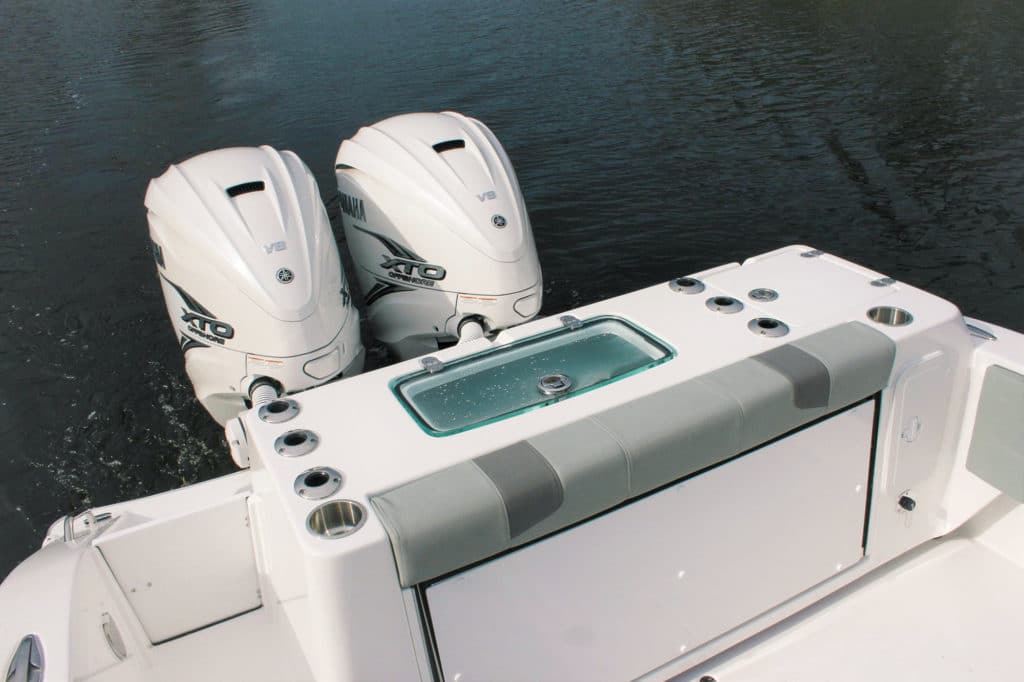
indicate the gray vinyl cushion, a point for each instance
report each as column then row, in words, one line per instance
column 440, row 522
column 768, row 400
column 682, row 429
column 859, row 360
column 996, row 453
column 529, row 488
column 592, row 468
column 476, row 509
column 810, row 382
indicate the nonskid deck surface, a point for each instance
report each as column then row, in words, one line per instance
column 952, row 610
column 258, row 646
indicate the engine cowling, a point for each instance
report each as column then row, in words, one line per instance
column 251, row 276
column 437, row 227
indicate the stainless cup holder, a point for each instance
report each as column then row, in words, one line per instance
column 336, row 519
column 893, row 317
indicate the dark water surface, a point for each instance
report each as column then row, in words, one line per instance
column 651, row 139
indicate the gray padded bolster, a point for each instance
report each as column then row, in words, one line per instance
column 996, row 453
column 476, row 509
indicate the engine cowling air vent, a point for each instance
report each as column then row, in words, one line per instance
column 245, row 188
column 448, row 145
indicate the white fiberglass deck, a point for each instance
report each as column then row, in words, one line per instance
column 258, row 646
column 951, row 610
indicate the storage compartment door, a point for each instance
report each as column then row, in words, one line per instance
column 622, row 594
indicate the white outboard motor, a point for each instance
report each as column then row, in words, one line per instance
column 250, row 272
column 438, row 230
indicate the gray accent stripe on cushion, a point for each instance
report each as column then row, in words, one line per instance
column 529, row 487
column 765, row 399
column 591, row 467
column 807, row 374
column 859, row 360
column 996, row 454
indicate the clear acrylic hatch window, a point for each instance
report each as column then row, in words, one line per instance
column 527, row 374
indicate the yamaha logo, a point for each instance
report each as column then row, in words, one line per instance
column 498, row 221
column 353, row 207
column 285, row 276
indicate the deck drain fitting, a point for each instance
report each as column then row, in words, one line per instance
column 813, row 253
column 686, row 285
column 113, row 636
column 883, row 282
column 768, row 326
column 763, row 295
column 554, row 384
column 277, row 411
column 296, row 443
column 317, row 483
column 724, row 304
column 336, row 519
column 887, row 315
